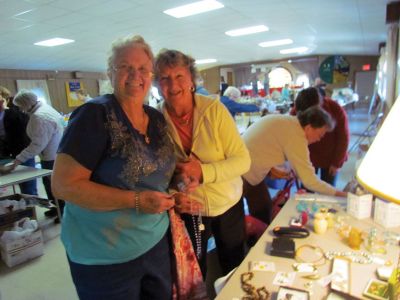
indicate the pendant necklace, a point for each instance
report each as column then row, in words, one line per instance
column 186, row 119
column 146, row 138
column 146, row 124
column 143, row 130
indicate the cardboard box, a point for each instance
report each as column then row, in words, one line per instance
column 387, row 213
column 359, row 206
column 22, row 249
column 7, row 220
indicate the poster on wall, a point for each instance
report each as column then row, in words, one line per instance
column 75, row 93
column 334, row 69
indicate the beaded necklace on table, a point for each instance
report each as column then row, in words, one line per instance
column 357, row 257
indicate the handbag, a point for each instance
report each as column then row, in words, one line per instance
column 188, row 281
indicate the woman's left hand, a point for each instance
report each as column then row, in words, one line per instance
column 185, row 205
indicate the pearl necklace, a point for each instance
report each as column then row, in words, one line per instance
column 356, row 257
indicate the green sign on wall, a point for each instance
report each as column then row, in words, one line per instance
column 334, row 69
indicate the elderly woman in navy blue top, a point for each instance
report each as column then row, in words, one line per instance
column 113, row 168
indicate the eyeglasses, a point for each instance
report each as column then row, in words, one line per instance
column 127, row 69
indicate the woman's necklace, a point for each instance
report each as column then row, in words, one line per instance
column 184, row 120
column 142, row 128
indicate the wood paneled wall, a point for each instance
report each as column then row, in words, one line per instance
column 211, row 79
column 55, row 82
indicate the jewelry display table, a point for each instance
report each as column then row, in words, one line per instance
column 360, row 273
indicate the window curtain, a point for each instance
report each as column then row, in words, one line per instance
column 39, row 87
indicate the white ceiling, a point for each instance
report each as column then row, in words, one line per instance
column 352, row 27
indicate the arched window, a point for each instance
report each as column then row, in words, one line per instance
column 278, row 77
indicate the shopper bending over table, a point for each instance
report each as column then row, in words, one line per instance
column 329, row 154
column 44, row 129
column 275, row 139
column 14, row 136
column 113, row 168
column 208, row 148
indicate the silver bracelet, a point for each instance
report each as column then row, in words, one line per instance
column 137, row 202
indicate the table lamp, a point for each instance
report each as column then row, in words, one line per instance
column 379, row 170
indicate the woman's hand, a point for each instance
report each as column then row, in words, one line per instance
column 190, row 168
column 181, row 182
column 185, row 205
column 333, row 170
column 14, row 164
column 152, row 202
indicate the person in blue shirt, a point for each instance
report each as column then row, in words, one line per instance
column 113, row 169
column 285, row 94
column 229, row 99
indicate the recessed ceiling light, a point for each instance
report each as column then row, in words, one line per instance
column 205, row 61
column 193, row 8
column 54, row 42
column 276, row 43
column 247, row 30
column 294, row 50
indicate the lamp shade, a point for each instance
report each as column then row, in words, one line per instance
column 379, row 171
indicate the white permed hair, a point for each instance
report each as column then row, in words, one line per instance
column 129, row 41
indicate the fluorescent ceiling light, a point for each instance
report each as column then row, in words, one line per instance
column 54, row 42
column 247, row 30
column 24, row 12
column 294, row 50
column 276, row 43
column 205, row 61
column 193, row 8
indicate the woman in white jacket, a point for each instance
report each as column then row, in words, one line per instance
column 210, row 150
column 45, row 130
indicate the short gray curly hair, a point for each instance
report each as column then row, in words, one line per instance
column 128, row 41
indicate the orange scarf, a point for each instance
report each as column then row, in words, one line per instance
column 188, row 282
